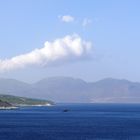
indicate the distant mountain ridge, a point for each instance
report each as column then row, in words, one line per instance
column 67, row 89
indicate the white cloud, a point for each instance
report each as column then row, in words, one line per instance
column 86, row 22
column 66, row 18
column 66, row 48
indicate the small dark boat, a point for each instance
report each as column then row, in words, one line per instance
column 65, row 110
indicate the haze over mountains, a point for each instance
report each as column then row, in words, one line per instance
column 67, row 89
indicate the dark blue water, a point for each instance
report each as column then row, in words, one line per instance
column 81, row 122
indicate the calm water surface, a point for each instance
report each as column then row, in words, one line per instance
column 81, row 122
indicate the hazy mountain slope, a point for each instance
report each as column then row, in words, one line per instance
column 12, row 86
column 18, row 88
column 63, row 89
column 114, row 90
column 67, row 89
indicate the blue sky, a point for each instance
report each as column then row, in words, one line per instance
column 113, row 28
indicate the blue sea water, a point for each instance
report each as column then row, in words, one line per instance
column 81, row 122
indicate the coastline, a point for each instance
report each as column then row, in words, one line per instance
column 23, row 105
column 8, row 108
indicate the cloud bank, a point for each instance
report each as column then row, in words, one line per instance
column 67, row 48
column 66, row 18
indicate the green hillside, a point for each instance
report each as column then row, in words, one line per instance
column 18, row 101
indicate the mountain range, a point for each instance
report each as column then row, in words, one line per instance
column 67, row 89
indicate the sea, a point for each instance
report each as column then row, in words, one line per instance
column 72, row 122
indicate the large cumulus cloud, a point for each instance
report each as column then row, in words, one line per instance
column 66, row 48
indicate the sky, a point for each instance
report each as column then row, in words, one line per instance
column 87, row 39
